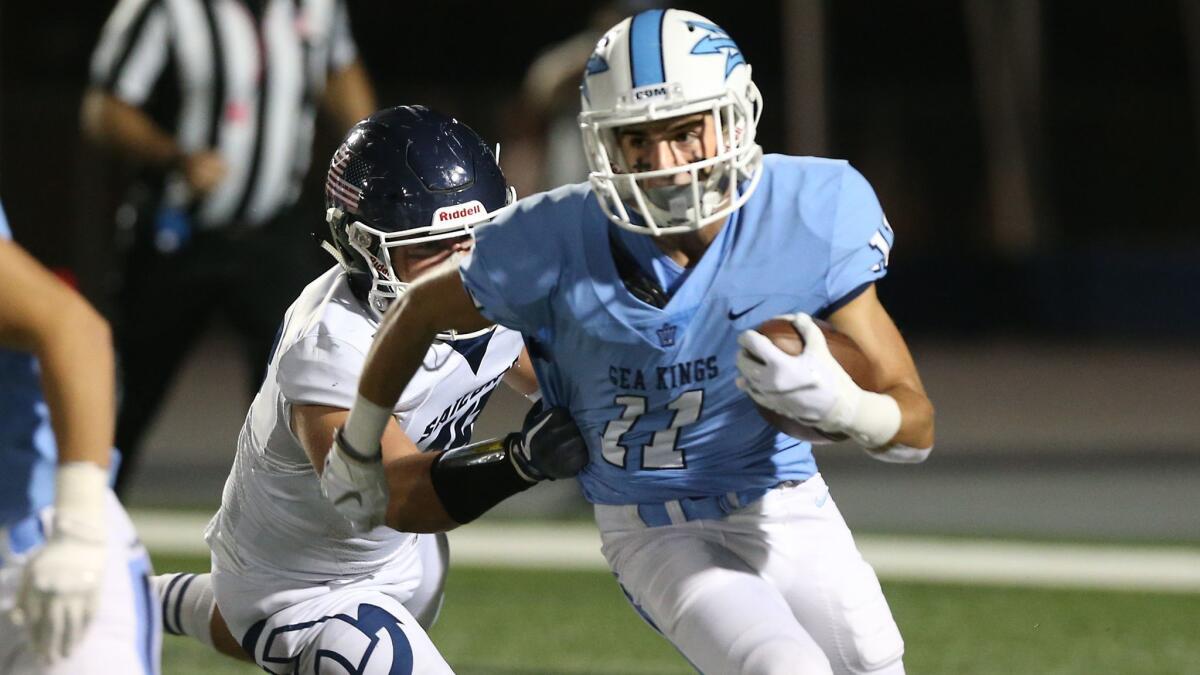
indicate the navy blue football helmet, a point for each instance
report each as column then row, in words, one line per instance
column 406, row 175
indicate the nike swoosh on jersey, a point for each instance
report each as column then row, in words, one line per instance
column 734, row 316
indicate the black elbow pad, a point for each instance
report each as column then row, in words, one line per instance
column 474, row 478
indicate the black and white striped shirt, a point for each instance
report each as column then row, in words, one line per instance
column 238, row 76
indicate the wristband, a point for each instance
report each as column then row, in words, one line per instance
column 875, row 421
column 364, row 427
column 80, row 489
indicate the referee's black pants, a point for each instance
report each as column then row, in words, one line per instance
column 165, row 302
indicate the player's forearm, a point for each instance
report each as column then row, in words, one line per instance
column 413, row 505
column 114, row 124
column 399, row 348
column 434, row 492
column 916, row 417
column 74, row 350
column 436, row 302
column 76, row 359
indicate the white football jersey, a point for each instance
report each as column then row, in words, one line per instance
column 273, row 516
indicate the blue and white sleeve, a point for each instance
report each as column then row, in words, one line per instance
column 861, row 242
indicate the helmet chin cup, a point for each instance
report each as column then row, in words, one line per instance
column 678, row 205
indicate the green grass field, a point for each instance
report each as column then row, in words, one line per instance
column 529, row 622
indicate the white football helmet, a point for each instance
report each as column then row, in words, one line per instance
column 661, row 64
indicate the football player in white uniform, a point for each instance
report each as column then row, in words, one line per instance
column 295, row 584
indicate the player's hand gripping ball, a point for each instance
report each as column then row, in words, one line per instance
column 814, row 382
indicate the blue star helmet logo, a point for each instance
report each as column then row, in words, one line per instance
column 717, row 42
column 595, row 64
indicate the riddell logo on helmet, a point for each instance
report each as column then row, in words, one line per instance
column 458, row 212
column 382, row 269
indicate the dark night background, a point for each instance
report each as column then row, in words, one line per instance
column 1118, row 253
column 1063, row 368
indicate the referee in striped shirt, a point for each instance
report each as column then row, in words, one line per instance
column 216, row 101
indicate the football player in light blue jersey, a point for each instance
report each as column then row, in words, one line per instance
column 74, row 593
column 637, row 294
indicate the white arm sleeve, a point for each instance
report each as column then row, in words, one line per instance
column 320, row 370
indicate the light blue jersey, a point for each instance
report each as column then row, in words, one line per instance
column 653, row 389
column 27, row 451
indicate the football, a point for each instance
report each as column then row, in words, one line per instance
column 783, row 335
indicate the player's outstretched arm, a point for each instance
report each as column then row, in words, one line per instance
column 436, row 302
column 40, row 314
column 353, row 478
column 438, row 491
column 465, row 482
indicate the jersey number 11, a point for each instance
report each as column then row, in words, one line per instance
column 662, row 451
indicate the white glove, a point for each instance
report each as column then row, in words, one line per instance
column 813, row 387
column 61, row 586
column 356, row 484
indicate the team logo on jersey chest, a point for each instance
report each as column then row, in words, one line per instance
column 666, row 335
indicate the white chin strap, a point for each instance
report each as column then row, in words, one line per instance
column 332, row 250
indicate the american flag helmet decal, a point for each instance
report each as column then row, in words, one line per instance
column 343, row 181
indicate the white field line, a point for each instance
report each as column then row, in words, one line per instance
column 967, row 561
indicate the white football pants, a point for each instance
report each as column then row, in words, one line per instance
column 125, row 634
column 363, row 626
column 776, row 587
